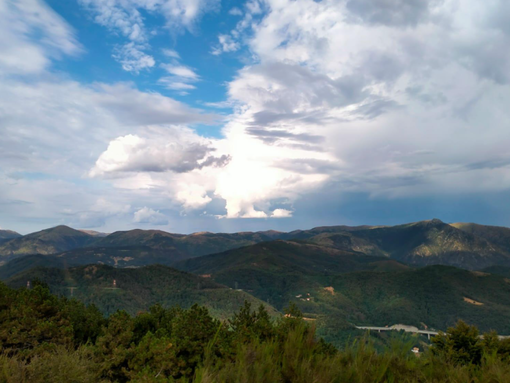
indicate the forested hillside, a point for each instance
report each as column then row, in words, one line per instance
column 44, row 338
column 111, row 289
column 338, row 288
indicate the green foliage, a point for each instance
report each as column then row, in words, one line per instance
column 189, row 345
column 137, row 289
column 463, row 345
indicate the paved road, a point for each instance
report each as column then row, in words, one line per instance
column 415, row 330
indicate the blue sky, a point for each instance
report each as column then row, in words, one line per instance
column 192, row 115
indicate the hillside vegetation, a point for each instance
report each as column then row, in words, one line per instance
column 48, row 339
column 342, row 288
column 137, row 289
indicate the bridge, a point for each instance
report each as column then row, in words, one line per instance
column 400, row 327
column 412, row 329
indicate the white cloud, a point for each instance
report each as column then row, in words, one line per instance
column 125, row 17
column 31, row 35
column 180, row 71
column 181, row 78
column 177, row 150
column 226, row 44
column 148, row 215
column 235, row 12
column 192, row 196
column 132, row 58
column 174, row 84
column 389, row 101
column 171, row 53
column 281, row 213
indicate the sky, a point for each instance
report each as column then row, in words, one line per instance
column 223, row 115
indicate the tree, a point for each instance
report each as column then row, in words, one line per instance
column 461, row 344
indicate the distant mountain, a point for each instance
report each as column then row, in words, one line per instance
column 424, row 243
column 49, row 241
column 497, row 235
column 6, row 235
column 306, row 234
column 129, row 256
column 122, row 256
column 113, row 289
column 185, row 246
column 94, row 233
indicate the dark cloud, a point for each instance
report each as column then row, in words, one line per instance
column 489, row 164
column 216, row 162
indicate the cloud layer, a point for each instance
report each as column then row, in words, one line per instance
column 390, row 99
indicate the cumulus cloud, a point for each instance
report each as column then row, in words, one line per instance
column 399, row 99
column 174, row 150
column 150, row 216
column 281, row 213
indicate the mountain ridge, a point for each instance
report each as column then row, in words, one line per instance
column 419, row 243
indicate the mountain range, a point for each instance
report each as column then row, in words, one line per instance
column 431, row 242
column 428, row 274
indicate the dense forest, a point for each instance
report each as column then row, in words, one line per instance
column 45, row 338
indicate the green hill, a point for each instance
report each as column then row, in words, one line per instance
column 131, row 256
column 436, row 296
column 338, row 288
column 498, row 270
column 134, row 256
column 279, row 270
column 27, row 262
column 49, row 241
column 122, row 256
column 137, row 289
